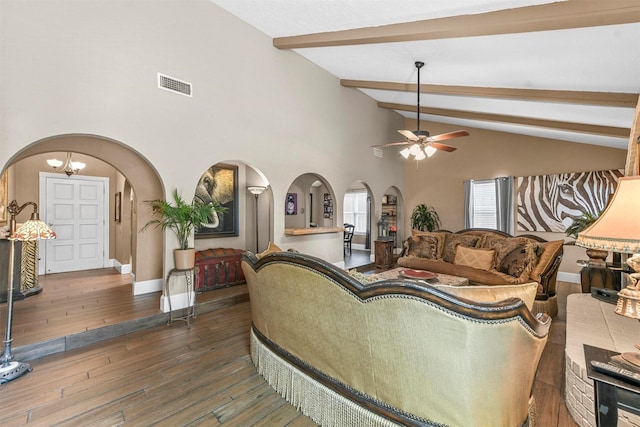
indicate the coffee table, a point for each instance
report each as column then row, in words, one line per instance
column 441, row 279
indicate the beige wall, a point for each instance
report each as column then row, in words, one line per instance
column 72, row 68
column 438, row 181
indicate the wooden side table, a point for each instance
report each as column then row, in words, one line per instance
column 191, row 307
column 383, row 253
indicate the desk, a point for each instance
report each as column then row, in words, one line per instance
column 191, row 307
column 610, row 393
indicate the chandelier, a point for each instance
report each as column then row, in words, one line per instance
column 68, row 166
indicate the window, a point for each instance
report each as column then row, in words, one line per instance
column 483, row 195
column 489, row 204
column 355, row 210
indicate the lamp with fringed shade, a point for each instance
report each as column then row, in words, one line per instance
column 618, row 230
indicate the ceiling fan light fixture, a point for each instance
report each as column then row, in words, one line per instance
column 405, row 153
column 421, row 155
column 415, row 149
column 429, row 151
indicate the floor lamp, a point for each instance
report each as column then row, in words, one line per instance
column 34, row 229
column 256, row 191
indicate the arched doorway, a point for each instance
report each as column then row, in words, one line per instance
column 141, row 182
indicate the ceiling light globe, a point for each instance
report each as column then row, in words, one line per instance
column 420, row 155
column 415, row 149
column 405, row 153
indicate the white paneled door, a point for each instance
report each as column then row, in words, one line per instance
column 76, row 209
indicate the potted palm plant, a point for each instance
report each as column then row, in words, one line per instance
column 424, row 218
column 182, row 218
column 581, row 223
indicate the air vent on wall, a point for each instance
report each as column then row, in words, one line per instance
column 174, row 85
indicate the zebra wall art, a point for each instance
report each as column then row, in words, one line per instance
column 551, row 202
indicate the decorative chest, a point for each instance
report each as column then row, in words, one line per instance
column 217, row 268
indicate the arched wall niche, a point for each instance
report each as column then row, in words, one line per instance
column 310, row 202
column 144, row 181
column 393, row 210
column 251, row 232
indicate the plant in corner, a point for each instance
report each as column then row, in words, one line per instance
column 424, row 218
column 181, row 218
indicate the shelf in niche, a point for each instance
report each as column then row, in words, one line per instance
column 312, row 230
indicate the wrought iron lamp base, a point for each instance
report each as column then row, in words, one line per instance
column 13, row 370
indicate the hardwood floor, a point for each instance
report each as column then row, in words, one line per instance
column 171, row 375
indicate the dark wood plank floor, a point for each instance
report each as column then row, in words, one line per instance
column 169, row 375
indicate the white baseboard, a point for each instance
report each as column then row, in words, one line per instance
column 569, row 277
column 147, row 287
column 177, row 301
column 122, row 268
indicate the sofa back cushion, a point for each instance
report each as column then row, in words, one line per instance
column 483, row 259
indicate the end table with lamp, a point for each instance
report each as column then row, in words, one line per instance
column 618, row 230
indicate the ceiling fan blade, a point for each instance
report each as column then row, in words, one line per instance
column 391, row 144
column 409, row 135
column 449, row 135
column 443, row 147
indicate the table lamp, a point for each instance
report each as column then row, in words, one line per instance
column 34, row 229
column 618, row 230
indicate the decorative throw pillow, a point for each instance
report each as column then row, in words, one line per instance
column 479, row 258
column 439, row 235
column 493, row 293
column 451, row 241
column 550, row 250
column 503, row 245
column 422, row 247
column 517, row 260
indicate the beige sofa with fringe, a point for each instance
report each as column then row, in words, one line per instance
column 392, row 352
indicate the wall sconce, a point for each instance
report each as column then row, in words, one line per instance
column 34, row 229
column 256, row 191
column 68, row 166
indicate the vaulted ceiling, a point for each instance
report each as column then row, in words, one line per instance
column 566, row 70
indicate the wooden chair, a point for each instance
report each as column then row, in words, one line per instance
column 348, row 235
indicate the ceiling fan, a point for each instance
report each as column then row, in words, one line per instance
column 420, row 143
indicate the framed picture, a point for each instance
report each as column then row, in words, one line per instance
column 291, row 204
column 117, row 217
column 4, row 197
column 219, row 184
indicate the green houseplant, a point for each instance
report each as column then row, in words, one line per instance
column 181, row 218
column 581, row 223
column 424, row 218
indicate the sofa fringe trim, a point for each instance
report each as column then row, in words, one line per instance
column 323, row 405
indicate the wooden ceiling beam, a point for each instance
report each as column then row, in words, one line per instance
column 547, row 17
column 612, row 131
column 609, row 99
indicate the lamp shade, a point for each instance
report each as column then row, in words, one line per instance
column 34, row 229
column 256, row 190
column 618, row 228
